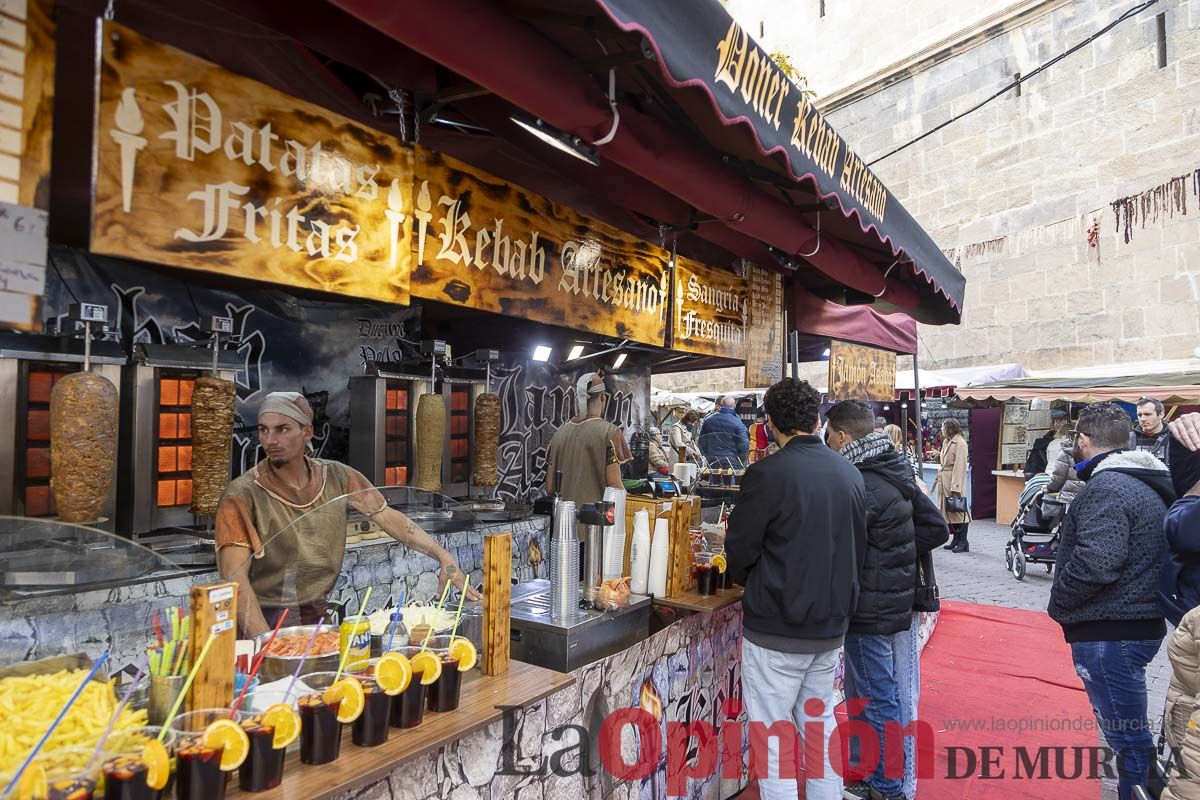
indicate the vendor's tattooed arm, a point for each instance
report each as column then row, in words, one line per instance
column 409, row 534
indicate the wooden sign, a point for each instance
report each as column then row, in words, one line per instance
column 861, row 373
column 23, row 252
column 712, row 308
column 484, row 243
column 203, row 169
column 764, row 338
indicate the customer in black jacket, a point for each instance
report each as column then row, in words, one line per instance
column 888, row 579
column 796, row 541
column 1106, row 580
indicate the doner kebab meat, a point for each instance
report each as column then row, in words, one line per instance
column 83, row 444
column 212, row 438
column 431, row 438
column 486, row 443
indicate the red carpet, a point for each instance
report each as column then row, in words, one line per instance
column 1001, row 678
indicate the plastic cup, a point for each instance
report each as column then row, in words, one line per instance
column 125, row 770
column 71, row 774
column 198, row 774
column 706, row 574
column 320, row 731
column 408, row 707
column 371, row 727
column 445, row 693
column 263, row 767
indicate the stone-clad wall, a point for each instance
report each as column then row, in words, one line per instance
column 120, row 618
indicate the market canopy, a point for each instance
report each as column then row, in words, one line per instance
column 691, row 127
column 1174, row 383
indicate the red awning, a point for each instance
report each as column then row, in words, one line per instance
column 860, row 324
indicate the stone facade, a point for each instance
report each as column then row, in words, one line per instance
column 1072, row 209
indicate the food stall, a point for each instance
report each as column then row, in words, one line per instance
column 492, row 194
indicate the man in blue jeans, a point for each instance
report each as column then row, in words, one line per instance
column 879, row 642
column 1105, row 593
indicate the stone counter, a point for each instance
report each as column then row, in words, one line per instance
column 693, row 668
column 119, row 617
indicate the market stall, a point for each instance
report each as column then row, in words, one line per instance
column 409, row 246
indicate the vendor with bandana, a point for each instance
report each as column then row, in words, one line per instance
column 588, row 450
column 279, row 563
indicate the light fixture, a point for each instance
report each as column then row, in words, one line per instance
column 541, row 353
column 575, row 353
column 620, row 360
column 826, row 353
column 887, row 408
column 571, row 145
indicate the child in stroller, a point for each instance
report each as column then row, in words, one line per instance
column 1035, row 533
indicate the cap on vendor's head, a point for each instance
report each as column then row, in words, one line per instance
column 588, row 386
column 289, row 404
column 1058, row 413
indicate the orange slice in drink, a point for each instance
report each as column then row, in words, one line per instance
column 463, row 651
column 32, row 785
column 286, row 722
column 231, row 739
column 348, row 694
column 719, row 563
column 158, row 764
column 429, row 665
column 393, row 673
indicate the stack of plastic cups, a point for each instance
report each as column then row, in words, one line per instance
column 639, row 553
column 614, row 544
column 564, row 563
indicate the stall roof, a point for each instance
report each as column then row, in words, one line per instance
column 1174, row 382
column 943, row 382
column 679, row 145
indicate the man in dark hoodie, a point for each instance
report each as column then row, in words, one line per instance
column 878, row 640
column 1106, row 581
column 797, row 537
column 1180, row 591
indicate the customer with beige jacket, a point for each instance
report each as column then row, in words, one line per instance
column 952, row 482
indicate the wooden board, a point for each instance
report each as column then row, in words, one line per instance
column 497, row 602
column 484, row 243
column 764, row 339
column 214, row 613
column 712, row 311
column 204, row 169
column 861, row 373
column 679, row 573
column 522, row 686
column 37, row 112
column 695, row 602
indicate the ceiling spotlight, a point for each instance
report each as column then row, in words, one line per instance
column 887, row 408
column 541, row 353
column 575, row 353
column 826, row 353
column 571, row 145
column 620, row 360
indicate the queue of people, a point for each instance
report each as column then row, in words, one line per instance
column 832, row 540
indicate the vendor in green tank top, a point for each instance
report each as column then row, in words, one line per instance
column 281, row 527
column 588, row 450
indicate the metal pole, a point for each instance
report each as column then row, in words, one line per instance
column 794, row 343
column 920, row 430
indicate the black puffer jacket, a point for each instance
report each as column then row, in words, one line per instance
column 888, row 575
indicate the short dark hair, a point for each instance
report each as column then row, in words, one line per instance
column 1106, row 424
column 793, row 406
column 952, row 426
column 691, row 417
column 1159, row 408
column 851, row 417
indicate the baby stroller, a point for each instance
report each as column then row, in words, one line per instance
column 1035, row 534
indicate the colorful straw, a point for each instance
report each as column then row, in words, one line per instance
column 458, row 614
column 158, row 631
column 187, row 684
column 258, row 662
column 346, row 653
column 142, row 671
column 440, row 605
column 57, row 720
column 311, row 641
column 396, row 621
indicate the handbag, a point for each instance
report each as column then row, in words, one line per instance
column 926, row 596
column 956, row 504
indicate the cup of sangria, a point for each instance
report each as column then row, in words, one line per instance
column 327, row 702
column 209, row 744
column 408, row 707
column 65, row 773
column 383, row 679
column 137, row 763
column 268, row 732
column 706, row 575
column 455, row 655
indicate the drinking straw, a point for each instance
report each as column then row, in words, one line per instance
column 396, row 622
column 12, row 782
column 179, row 657
column 112, row 723
column 346, row 653
column 441, row 603
column 458, row 614
column 258, row 662
column 158, row 631
column 187, row 684
column 311, row 641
